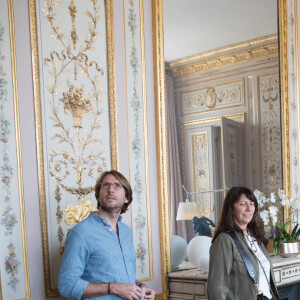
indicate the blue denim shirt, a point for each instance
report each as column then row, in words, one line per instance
column 95, row 253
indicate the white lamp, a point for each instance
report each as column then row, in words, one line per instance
column 187, row 210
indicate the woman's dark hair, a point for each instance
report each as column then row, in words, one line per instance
column 124, row 182
column 227, row 223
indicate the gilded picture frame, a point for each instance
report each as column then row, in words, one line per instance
column 161, row 128
column 75, row 109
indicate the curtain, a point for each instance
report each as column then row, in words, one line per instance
column 175, row 188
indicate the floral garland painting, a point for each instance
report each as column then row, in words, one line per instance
column 293, row 98
column 137, row 133
column 13, row 258
column 74, row 112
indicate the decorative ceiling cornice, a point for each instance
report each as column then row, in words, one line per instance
column 221, row 57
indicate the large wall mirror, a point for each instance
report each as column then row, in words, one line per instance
column 222, row 103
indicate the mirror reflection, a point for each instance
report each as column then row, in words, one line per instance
column 223, row 102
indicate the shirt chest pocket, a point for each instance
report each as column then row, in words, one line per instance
column 237, row 256
column 238, row 263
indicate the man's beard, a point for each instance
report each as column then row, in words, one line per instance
column 111, row 209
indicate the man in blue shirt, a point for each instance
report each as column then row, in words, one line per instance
column 99, row 258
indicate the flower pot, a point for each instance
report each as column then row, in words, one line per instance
column 289, row 249
column 270, row 246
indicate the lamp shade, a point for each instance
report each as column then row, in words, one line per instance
column 187, row 210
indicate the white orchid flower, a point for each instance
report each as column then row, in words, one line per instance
column 272, row 198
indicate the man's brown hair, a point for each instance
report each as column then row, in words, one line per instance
column 123, row 181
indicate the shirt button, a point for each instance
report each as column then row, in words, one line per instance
column 110, row 229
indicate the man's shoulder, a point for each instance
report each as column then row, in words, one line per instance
column 84, row 224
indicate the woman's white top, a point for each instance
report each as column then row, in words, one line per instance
column 263, row 283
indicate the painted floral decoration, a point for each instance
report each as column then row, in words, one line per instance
column 9, row 219
column 11, row 266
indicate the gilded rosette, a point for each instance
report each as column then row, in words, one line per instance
column 77, row 213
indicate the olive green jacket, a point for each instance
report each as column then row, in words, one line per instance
column 228, row 278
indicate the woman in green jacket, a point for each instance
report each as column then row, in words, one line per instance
column 228, row 278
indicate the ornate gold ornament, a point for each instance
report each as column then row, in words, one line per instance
column 271, row 87
column 72, row 95
column 73, row 11
column 225, row 57
column 76, row 103
column 77, row 213
column 269, row 111
column 77, row 191
column 200, row 171
column 211, row 98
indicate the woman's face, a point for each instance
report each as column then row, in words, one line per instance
column 243, row 211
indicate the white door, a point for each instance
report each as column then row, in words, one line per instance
column 232, row 150
column 199, row 165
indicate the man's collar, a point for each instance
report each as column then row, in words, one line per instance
column 103, row 220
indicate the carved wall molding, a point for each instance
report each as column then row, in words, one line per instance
column 270, row 131
column 201, row 170
column 214, row 97
column 232, row 154
column 242, row 52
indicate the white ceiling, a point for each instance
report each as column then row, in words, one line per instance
column 195, row 26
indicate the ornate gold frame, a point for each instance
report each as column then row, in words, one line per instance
column 161, row 143
column 284, row 81
column 39, row 132
column 161, row 130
